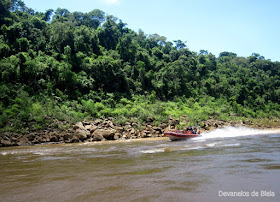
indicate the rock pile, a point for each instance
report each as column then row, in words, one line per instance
column 104, row 129
column 85, row 131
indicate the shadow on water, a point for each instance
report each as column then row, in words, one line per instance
column 272, row 167
column 256, row 160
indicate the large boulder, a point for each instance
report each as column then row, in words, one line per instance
column 82, row 134
column 97, row 137
column 105, row 133
column 6, row 143
column 79, row 125
column 93, row 128
column 24, row 141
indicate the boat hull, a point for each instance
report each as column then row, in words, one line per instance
column 176, row 136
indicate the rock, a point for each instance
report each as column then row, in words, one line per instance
column 54, row 137
column 108, row 123
column 79, row 125
column 31, row 136
column 53, row 134
column 119, row 129
column 157, row 129
column 138, row 133
column 135, row 125
column 147, row 131
column 149, row 127
column 163, row 126
column 132, row 131
column 117, row 136
column 47, row 138
column 14, row 139
column 24, row 141
column 146, row 134
column 93, row 128
column 86, row 123
column 89, row 140
column 82, row 134
column 107, row 134
column 38, row 140
column 216, row 125
column 75, row 139
column 6, row 143
column 127, row 135
column 97, row 122
column 88, row 127
column 66, row 137
column 97, row 137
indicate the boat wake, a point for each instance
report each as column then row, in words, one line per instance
column 234, row 132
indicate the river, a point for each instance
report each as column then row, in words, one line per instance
column 229, row 164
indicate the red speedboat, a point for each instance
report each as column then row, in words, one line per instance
column 181, row 134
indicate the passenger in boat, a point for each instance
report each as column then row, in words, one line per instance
column 194, row 130
column 189, row 128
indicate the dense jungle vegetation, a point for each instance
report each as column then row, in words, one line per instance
column 62, row 67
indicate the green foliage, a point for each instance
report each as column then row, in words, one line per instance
column 70, row 66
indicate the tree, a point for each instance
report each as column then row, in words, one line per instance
column 203, row 52
column 229, row 54
column 180, row 44
column 109, row 33
column 61, row 35
column 48, row 14
column 95, row 18
column 127, row 47
column 61, row 13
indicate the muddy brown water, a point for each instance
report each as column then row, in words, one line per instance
column 230, row 164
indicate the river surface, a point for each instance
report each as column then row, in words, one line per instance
column 229, row 164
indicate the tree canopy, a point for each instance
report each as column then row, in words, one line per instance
column 76, row 57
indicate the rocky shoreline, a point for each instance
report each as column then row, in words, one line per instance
column 104, row 129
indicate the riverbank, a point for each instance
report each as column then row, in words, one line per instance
column 105, row 129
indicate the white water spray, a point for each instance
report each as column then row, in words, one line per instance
column 235, row 132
